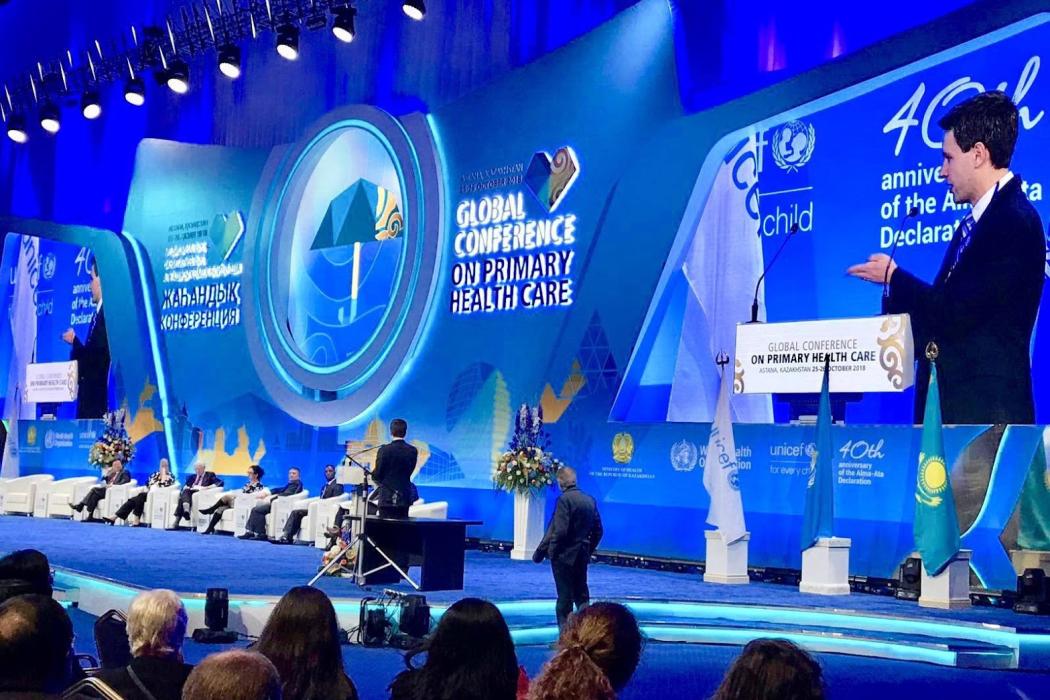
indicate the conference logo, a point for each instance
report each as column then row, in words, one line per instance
column 225, row 234
column 549, row 177
column 31, row 436
column 793, row 145
column 684, row 456
column 622, row 448
column 933, row 480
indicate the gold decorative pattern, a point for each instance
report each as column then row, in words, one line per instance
column 738, row 378
column 891, row 349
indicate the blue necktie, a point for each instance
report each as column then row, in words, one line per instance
column 966, row 232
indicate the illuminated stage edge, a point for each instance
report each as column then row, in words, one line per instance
column 821, row 630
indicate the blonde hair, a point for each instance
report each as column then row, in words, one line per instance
column 156, row 623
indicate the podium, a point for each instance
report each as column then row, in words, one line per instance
column 869, row 354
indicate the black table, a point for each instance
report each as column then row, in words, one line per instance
column 436, row 546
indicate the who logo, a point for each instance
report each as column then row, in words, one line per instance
column 793, row 145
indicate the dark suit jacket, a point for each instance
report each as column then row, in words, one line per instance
column 395, row 463
column 332, row 489
column 981, row 316
column 575, row 528
column 122, row 478
column 92, row 358
column 208, row 479
column 289, row 489
column 163, row 678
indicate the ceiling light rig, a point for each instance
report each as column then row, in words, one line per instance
column 168, row 50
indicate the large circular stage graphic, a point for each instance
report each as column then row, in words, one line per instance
column 346, row 226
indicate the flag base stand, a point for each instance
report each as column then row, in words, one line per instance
column 1023, row 559
column 950, row 589
column 825, row 567
column 726, row 563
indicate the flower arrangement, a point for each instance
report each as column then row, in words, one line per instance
column 114, row 444
column 527, row 466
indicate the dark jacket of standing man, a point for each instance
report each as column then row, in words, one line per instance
column 395, row 463
column 92, row 357
column 982, row 305
column 572, row 536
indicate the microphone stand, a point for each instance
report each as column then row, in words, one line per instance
column 754, row 303
column 897, row 236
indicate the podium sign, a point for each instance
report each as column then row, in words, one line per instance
column 871, row 354
column 51, row 382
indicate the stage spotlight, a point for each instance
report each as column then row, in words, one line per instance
column 1033, row 593
column 415, row 616
column 135, row 92
column 230, row 61
column 910, row 585
column 343, row 24
column 91, row 105
column 288, row 41
column 414, row 9
column 50, row 119
column 16, row 129
column 216, row 617
column 179, row 76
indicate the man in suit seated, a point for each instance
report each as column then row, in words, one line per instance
column 295, row 519
column 201, row 478
column 135, row 505
column 395, row 463
column 115, row 475
column 256, row 526
column 156, row 630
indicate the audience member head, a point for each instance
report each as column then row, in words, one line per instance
column 30, row 566
column 566, row 478
column 255, row 473
column 398, row 428
column 772, row 669
column 293, row 474
column 233, row 675
column 301, row 638
column 469, row 655
column 597, row 654
column 156, row 624
column 164, row 467
column 36, row 639
column 329, row 472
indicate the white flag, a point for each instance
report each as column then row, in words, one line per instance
column 720, row 472
column 23, row 349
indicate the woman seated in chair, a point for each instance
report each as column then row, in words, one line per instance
column 254, row 485
column 135, row 505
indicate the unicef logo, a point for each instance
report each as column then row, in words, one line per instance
column 734, row 479
column 793, row 145
column 684, row 456
column 48, row 265
column 340, row 262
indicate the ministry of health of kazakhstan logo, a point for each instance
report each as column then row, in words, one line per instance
column 793, row 145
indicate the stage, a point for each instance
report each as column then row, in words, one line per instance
column 99, row 567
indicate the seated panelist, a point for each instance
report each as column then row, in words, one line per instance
column 135, row 505
column 115, row 475
column 254, row 485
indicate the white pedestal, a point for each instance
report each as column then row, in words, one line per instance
column 528, row 524
column 950, row 589
column 825, row 567
column 1030, row 559
column 726, row 563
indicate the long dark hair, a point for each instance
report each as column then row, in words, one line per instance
column 470, row 656
column 301, row 638
column 771, row 669
column 598, row 653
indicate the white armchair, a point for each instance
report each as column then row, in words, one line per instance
column 202, row 498
column 160, row 507
column 53, row 497
column 18, row 495
column 80, row 491
column 320, row 515
column 206, row 498
column 116, row 496
column 282, row 507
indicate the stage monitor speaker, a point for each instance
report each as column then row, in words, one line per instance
column 375, row 628
column 1033, row 593
column 217, row 609
column 909, row 585
column 415, row 616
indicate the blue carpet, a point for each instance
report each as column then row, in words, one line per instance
column 694, row 671
column 191, row 563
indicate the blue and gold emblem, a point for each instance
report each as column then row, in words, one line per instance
column 933, row 480
column 622, row 448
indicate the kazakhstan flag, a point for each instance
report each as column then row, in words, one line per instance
column 819, row 516
column 936, row 527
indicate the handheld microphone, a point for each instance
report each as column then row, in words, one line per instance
column 898, row 234
column 754, row 303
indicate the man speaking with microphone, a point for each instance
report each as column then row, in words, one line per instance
column 981, row 307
